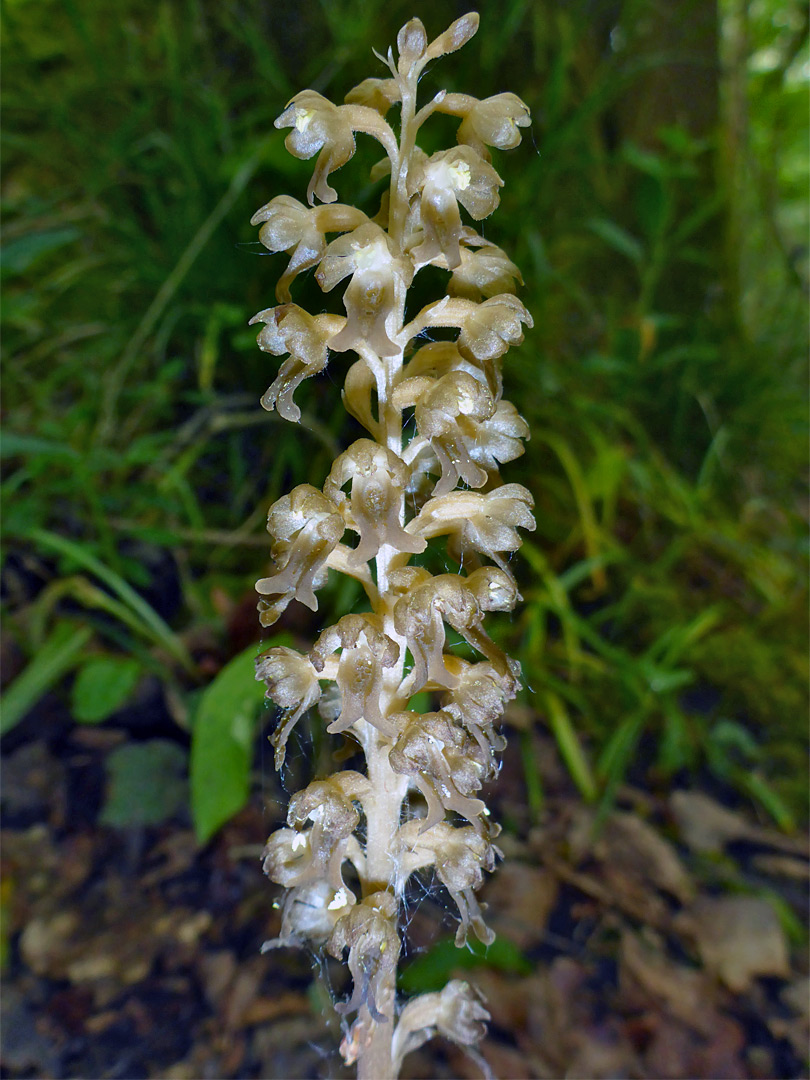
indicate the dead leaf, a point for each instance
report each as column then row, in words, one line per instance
column 738, row 937
column 707, row 826
column 684, row 992
column 521, row 899
column 637, row 848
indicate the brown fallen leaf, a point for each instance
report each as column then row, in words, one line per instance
column 707, row 826
column 684, row 992
column 637, row 848
column 264, row 1009
column 738, row 937
column 521, row 899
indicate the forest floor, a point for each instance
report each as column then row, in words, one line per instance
column 664, row 943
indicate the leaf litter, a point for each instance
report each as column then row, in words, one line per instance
column 653, row 943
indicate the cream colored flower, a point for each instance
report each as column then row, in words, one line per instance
column 422, row 610
column 306, row 528
column 320, row 127
column 443, row 761
column 290, row 329
column 443, row 181
column 369, row 256
column 378, row 478
column 483, row 273
column 288, row 225
column 460, row 856
column 486, row 524
column 292, row 684
column 457, row 1012
column 368, row 932
column 444, row 415
column 495, row 121
column 366, row 650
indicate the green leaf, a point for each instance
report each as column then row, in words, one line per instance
column 146, row 783
column 102, row 685
column 569, row 746
column 617, row 238
column 152, row 622
column 223, row 730
column 12, row 443
column 433, row 970
column 20, row 255
column 56, row 656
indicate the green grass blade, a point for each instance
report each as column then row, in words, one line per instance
column 569, row 746
column 59, row 653
column 160, row 629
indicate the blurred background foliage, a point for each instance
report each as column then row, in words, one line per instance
column 658, row 211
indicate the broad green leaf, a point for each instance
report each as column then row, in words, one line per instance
column 433, row 970
column 224, row 728
column 60, row 652
column 146, row 783
column 102, row 685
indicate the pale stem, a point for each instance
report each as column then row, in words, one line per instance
column 383, row 811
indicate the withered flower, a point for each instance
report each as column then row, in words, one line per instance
column 306, row 527
column 290, row 329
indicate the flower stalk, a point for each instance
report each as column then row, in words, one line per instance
column 417, row 807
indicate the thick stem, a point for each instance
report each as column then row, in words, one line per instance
column 384, row 809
